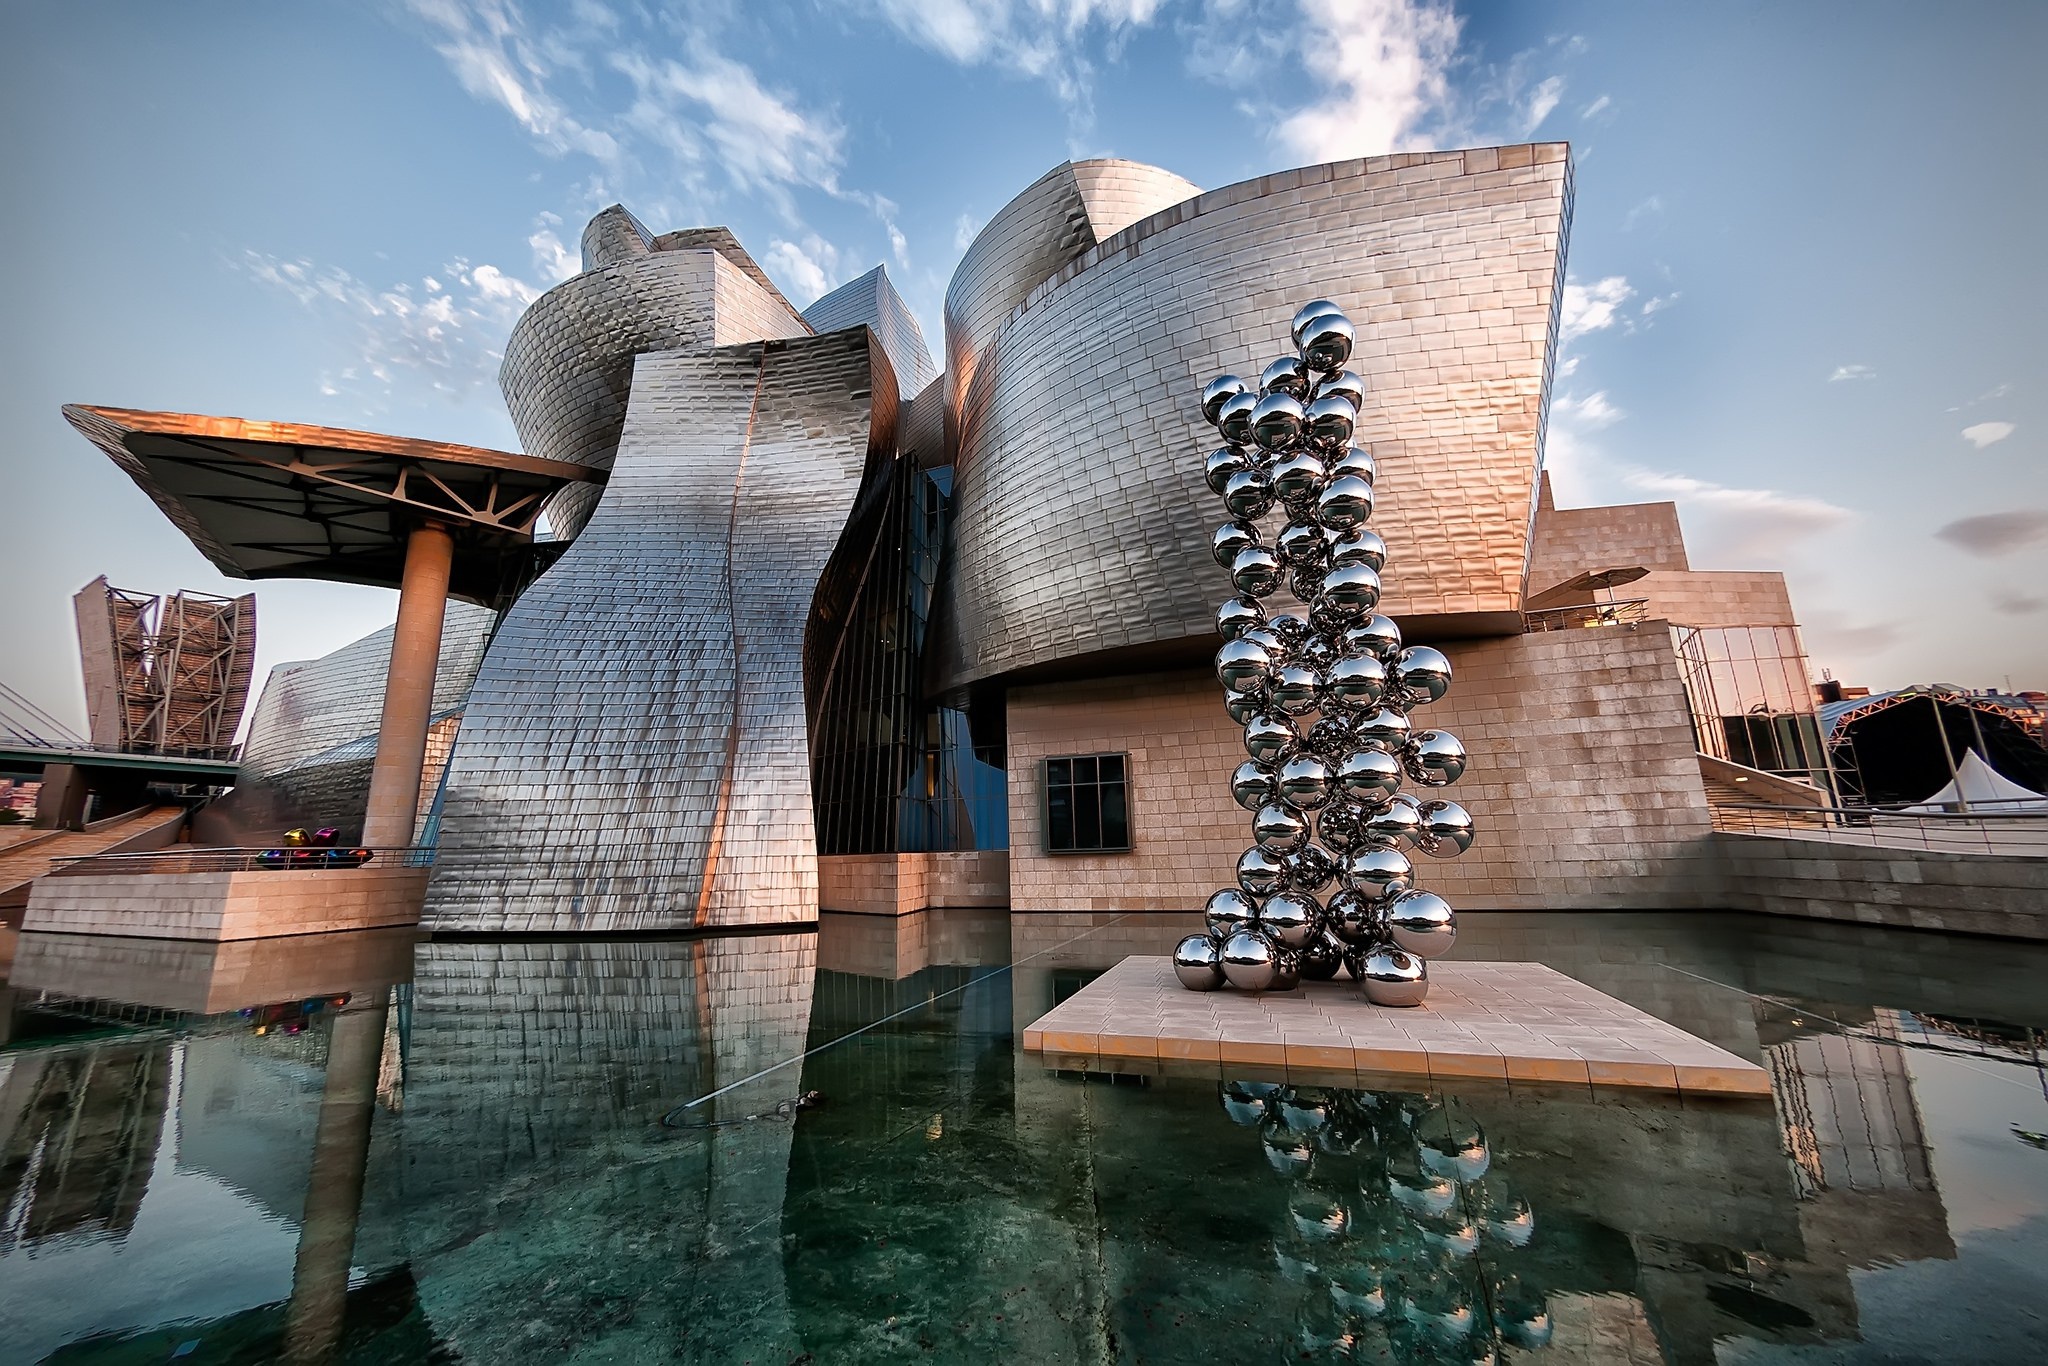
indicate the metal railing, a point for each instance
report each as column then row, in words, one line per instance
column 1621, row 612
column 2021, row 834
column 240, row 860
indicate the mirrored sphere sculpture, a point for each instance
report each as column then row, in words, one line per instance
column 1323, row 690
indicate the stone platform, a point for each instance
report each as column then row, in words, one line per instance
column 1515, row 1022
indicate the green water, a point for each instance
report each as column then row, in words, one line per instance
column 593, row 1151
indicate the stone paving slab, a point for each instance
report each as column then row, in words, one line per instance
column 1506, row 1021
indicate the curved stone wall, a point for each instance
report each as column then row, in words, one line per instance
column 1082, row 522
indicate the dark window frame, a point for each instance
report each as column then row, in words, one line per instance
column 1075, row 808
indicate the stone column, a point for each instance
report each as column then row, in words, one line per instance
column 409, row 689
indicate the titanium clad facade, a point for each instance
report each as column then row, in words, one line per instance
column 873, row 300
column 635, row 753
column 1082, row 523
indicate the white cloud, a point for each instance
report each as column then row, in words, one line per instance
column 1595, row 107
column 1568, row 367
column 1658, row 304
column 1850, row 372
column 811, row 269
column 1744, row 523
column 1650, row 208
column 964, row 229
column 1542, row 100
column 1383, row 65
column 1592, row 308
column 1984, row 434
column 1590, row 413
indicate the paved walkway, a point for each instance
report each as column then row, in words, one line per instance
column 26, row 861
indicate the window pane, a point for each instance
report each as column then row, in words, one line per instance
column 1087, row 817
column 1111, row 768
column 1058, row 771
column 1116, row 825
column 1059, row 818
column 1084, row 769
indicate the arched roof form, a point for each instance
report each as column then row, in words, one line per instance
column 1081, row 518
column 1064, row 212
column 873, row 300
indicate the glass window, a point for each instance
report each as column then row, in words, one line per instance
column 1087, row 804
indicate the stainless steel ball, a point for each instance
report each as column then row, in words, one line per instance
column 1227, row 912
column 1279, row 829
column 1354, row 588
column 1307, row 313
column 1249, row 493
column 1294, row 689
column 1355, row 920
column 1341, row 826
column 1329, row 422
column 1231, row 540
column 1306, row 583
column 1328, row 618
column 1383, row 728
column 1305, row 781
column 1378, row 874
column 1423, row 674
column 1368, row 777
column 1310, row 869
column 1423, row 924
column 1354, row 460
column 1221, row 464
column 1251, row 961
column 1392, row 977
column 1243, row 706
column 1285, row 376
column 1291, row 628
column 1330, row 737
column 1320, row 958
column 1326, row 342
column 1238, row 615
column 1276, row 421
column 1253, row 785
column 1219, row 391
column 1264, row 634
column 1243, row 666
column 1302, row 543
column 1343, row 504
column 1290, row 918
column 1446, row 829
column 1286, row 970
column 1234, row 417
column 1399, row 819
column 1434, row 758
column 1348, row 384
column 1298, row 479
column 1360, row 545
column 1261, row 873
column 1353, row 684
column 1197, row 963
column 1269, row 739
column 1255, row 571
column 1377, row 636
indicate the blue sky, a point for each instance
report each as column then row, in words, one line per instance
column 1804, row 269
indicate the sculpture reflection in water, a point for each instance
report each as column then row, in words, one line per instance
column 1402, row 1231
column 1324, row 695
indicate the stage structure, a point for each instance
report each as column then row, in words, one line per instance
column 1324, row 693
column 165, row 675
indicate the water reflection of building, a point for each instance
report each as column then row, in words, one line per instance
column 79, row 1128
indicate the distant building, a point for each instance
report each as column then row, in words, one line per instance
column 165, row 675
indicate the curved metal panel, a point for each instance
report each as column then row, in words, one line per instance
column 1081, row 520
column 634, row 754
column 873, row 300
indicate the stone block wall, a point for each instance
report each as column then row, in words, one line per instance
column 1997, row 894
column 221, row 906
column 899, row 884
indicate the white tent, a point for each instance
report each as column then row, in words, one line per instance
column 1984, row 788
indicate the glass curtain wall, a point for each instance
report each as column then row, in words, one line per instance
column 1750, row 699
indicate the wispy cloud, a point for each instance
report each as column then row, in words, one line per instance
column 811, row 269
column 1849, row 372
column 1589, row 413
column 1592, row 308
column 1597, row 106
column 2015, row 603
column 1751, row 524
column 1382, row 68
column 1997, row 533
column 1647, row 210
column 1984, row 434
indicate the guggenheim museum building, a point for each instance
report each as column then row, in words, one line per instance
column 777, row 610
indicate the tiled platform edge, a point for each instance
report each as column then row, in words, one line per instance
column 227, row 906
column 1505, row 1021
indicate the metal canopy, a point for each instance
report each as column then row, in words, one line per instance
column 282, row 500
column 1579, row 589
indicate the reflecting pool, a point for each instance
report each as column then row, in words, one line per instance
column 827, row 1147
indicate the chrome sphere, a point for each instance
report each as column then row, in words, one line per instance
column 1399, row 819
column 1302, row 543
column 1392, row 977
column 1261, row 873
column 1269, row 739
column 1297, row 479
column 1229, row 911
column 1423, row 924
column 1330, row 737
column 1279, row 829
column 1290, row 918
column 1347, row 384
column 1369, row 777
column 1320, row 958
column 1383, row 729
column 1251, row 962
column 1197, row 963
column 1378, row 636
column 1253, row 785
column 1355, row 460
column 1434, row 758
column 1307, row 313
column 1255, row 571
column 1234, row 418
column 1446, row 830
column 1286, row 970
column 1249, row 494
column 1276, row 421
column 1243, row 706
column 1423, row 674
column 1306, row 583
column 1360, row 545
column 1238, row 615
column 1326, row 342
column 1264, row 634
column 1243, row 666
column 1285, row 376
column 1343, row 504
column 1353, row 683
column 1329, row 619
column 1378, row 873
column 1341, row 826
column 1219, row 391
column 1329, row 422
column 1291, row 628
column 1354, row 588
column 1294, row 689
column 1305, row 782
column 1223, row 463
column 1355, row 920
column 1232, row 539
column 1309, row 869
